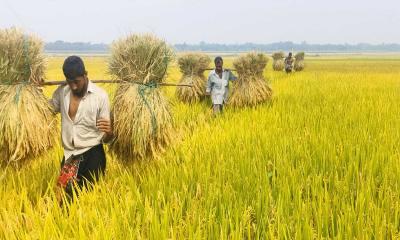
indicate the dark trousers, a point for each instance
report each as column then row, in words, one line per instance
column 218, row 108
column 92, row 164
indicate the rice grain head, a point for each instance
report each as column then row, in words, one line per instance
column 21, row 58
column 143, row 122
column 278, row 61
column 251, row 88
column 28, row 125
column 192, row 67
column 299, row 62
column 140, row 58
column 299, row 56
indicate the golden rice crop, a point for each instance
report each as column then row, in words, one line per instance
column 140, row 58
column 192, row 67
column 322, row 162
column 278, row 61
column 299, row 56
column 299, row 61
column 27, row 123
column 251, row 88
column 141, row 114
column 21, row 58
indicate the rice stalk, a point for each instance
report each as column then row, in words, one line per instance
column 278, row 63
column 192, row 67
column 299, row 62
column 141, row 114
column 21, row 58
column 28, row 125
column 251, row 87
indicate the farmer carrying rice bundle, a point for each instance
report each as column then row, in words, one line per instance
column 218, row 85
column 85, row 126
column 289, row 63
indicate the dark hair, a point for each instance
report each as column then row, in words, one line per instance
column 218, row 58
column 73, row 67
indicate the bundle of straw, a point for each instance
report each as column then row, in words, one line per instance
column 27, row 123
column 192, row 66
column 299, row 61
column 251, row 87
column 21, row 59
column 142, row 118
column 278, row 63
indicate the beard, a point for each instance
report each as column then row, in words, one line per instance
column 80, row 93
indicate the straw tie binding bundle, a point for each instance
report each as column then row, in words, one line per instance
column 250, row 88
column 142, row 118
column 192, row 67
column 278, row 61
column 299, row 62
column 28, row 125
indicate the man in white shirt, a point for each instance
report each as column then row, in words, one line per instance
column 85, row 126
column 218, row 85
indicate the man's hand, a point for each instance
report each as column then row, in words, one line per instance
column 104, row 125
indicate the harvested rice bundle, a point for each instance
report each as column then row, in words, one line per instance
column 299, row 61
column 142, row 117
column 251, row 87
column 278, row 63
column 21, row 58
column 27, row 122
column 192, row 66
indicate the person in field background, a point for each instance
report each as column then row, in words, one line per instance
column 218, row 85
column 289, row 63
column 85, row 126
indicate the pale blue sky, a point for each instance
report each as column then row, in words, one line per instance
column 177, row 21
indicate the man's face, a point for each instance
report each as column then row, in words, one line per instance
column 218, row 65
column 78, row 85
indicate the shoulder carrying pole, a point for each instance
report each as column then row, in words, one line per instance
column 52, row 82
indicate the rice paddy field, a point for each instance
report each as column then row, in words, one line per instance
column 321, row 160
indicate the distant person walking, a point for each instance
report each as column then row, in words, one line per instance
column 289, row 63
column 218, row 85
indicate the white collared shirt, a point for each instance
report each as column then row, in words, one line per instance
column 80, row 135
column 218, row 87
